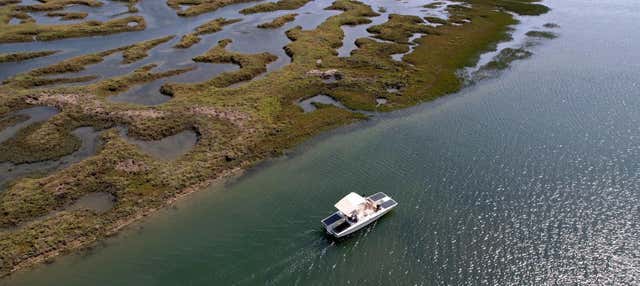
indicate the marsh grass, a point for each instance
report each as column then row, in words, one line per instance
column 32, row 31
column 210, row 27
column 197, row 7
column 278, row 21
column 67, row 16
column 237, row 125
column 12, row 120
column 399, row 28
column 23, row 56
column 275, row 6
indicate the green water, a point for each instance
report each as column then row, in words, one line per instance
column 531, row 178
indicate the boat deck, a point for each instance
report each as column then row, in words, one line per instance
column 339, row 225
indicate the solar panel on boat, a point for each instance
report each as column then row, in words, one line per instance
column 330, row 220
column 388, row 204
column 377, row 196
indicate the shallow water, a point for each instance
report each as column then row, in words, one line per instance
column 308, row 105
column 35, row 114
column 98, row 202
column 90, row 143
column 109, row 10
column 168, row 148
column 528, row 179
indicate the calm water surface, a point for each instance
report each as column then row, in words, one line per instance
column 528, row 179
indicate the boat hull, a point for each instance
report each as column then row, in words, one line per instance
column 365, row 222
column 339, row 226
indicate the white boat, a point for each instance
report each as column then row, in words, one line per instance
column 355, row 212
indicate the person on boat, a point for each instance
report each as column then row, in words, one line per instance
column 371, row 205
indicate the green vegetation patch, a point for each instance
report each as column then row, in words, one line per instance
column 69, row 228
column 67, row 16
column 399, row 28
column 50, row 5
column 28, row 32
column 275, row 6
column 522, row 7
column 113, row 86
column 40, row 141
column 438, row 57
column 23, row 56
column 433, row 5
column 139, row 51
column 436, row 20
column 250, row 65
column 279, row 21
column 210, row 27
column 197, row 7
column 74, row 64
column 130, row 54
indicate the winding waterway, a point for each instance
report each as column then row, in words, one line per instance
column 531, row 178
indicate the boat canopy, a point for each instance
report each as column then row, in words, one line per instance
column 350, row 203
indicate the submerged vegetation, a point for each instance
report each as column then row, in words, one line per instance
column 507, row 56
column 542, row 34
column 240, row 116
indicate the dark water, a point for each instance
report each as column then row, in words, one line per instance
column 528, row 179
